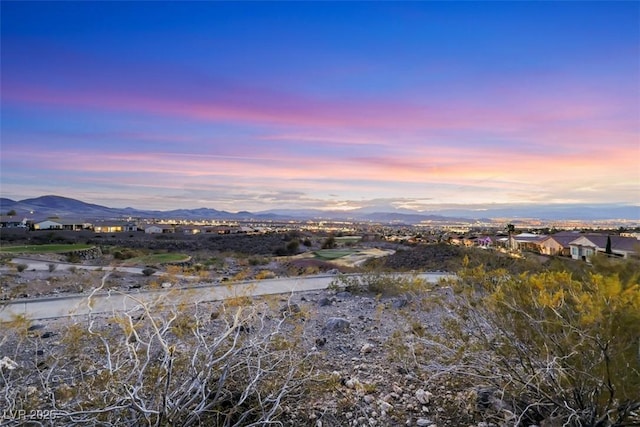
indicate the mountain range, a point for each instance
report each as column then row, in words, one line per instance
column 64, row 207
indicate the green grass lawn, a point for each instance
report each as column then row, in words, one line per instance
column 153, row 259
column 329, row 254
column 348, row 239
column 43, row 249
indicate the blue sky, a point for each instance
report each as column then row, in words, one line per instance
column 257, row 105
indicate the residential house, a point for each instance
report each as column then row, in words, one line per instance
column 558, row 243
column 587, row 245
column 528, row 242
column 48, row 224
column 12, row 222
column 484, row 242
column 131, row 226
column 153, row 229
column 454, row 239
column 469, row 241
column 74, row 225
column 221, row 229
column 115, row 227
column 190, row 230
column 159, row 229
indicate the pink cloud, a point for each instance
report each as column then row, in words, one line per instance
column 522, row 112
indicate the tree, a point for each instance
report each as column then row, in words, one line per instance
column 329, row 243
column 293, row 246
column 12, row 212
column 608, row 248
column 511, row 229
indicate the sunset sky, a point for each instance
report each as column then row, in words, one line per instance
column 331, row 105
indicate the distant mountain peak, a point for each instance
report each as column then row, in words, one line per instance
column 66, row 207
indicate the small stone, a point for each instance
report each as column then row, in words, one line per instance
column 352, row 383
column 344, row 294
column 423, row 422
column 166, row 285
column 290, row 309
column 423, row 396
column 337, row 324
column 7, row 363
column 384, row 406
column 366, row 349
column 399, row 303
column 324, row 302
column 368, row 399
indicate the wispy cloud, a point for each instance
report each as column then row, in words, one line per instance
column 328, row 118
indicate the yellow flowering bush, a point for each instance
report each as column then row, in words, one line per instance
column 563, row 349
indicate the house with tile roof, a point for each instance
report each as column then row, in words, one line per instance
column 528, row 242
column 558, row 243
column 587, row 245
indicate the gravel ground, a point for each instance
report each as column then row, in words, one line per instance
column 364, row 341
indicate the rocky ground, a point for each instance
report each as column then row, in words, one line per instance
column 372, row 346
column 376, row 349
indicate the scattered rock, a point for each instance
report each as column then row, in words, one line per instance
column 290, row 309
column 400, row 303
column 366, row 349
column 353, row 383
column 7, row 363
column 344, row 294
column 324, row 302
column 423, row 397
column 423, row 422
column 384, row 406
column 337, row 324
